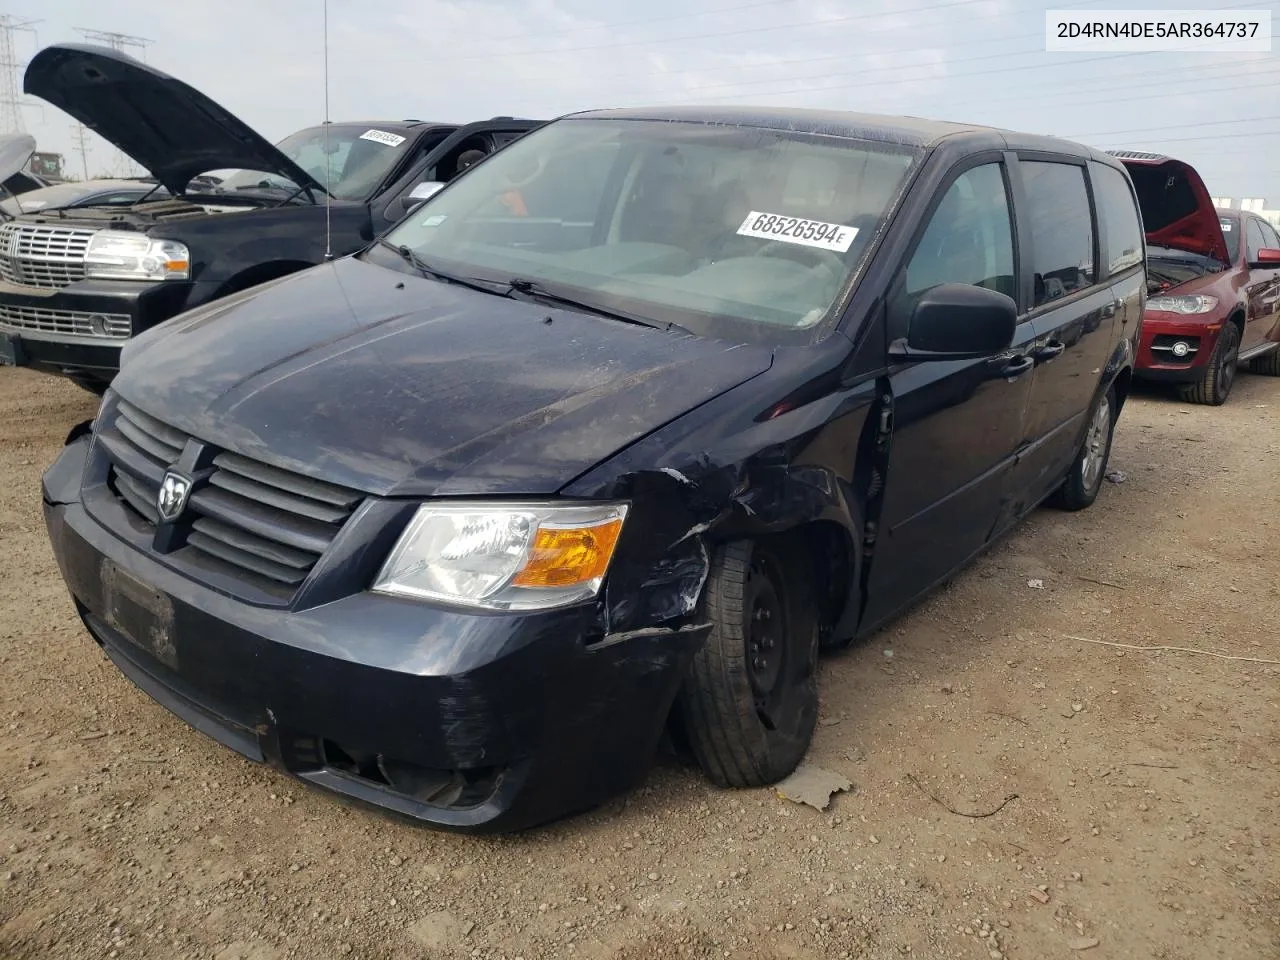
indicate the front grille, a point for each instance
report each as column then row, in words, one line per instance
column 1162, row 348
column 37, row 256
column 263, row 525
column 76, row 323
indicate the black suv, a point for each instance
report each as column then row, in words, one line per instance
column 76, row 284
column 626, row 423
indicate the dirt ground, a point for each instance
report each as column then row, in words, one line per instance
column 1146, row 821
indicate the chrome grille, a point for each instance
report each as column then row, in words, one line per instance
column 77, row 323
column 266, row 526
column 38, row 256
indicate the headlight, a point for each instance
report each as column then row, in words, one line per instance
column 503, row 556
column 117, row 255
column 1199, row 304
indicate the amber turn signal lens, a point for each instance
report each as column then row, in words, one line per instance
column 564, row 556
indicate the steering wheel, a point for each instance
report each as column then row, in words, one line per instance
column 816, row 256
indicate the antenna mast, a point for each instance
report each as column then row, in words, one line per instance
column 11, row 102
column 328, row 157
column 119, row 42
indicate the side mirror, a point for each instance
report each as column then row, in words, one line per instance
column 956, row 321
column 420, row 193
column 1267, row 257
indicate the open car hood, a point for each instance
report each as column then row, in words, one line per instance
column 174, row 131
column 1177, row 211
column 15, row 150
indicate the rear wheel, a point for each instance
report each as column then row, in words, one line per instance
column 1268, row 365
column 750, row 703
column 1084, row 480
column 1215, row 386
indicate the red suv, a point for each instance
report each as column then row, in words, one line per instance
column 1213, row 282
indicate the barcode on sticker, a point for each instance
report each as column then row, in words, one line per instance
column 808, row 233
column 381, row 136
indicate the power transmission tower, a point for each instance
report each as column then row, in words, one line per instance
column 11, row 102
column 77, row 130
column 121, row 43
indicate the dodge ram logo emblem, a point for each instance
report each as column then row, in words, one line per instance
column 172, row 499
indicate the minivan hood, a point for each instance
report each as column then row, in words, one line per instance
column 174, row 131
column 15, row 151
column 1177, row 211
column 397, row 385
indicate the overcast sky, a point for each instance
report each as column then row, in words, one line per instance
column 981, row 61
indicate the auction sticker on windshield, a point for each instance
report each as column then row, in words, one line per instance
column 808, row 233
column 381, row 136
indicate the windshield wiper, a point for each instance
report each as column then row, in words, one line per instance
column 534, row 289
column 408, row 255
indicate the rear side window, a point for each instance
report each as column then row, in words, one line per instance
column 1269, row 238
column 1062, row 234
column 1120, row 214
column 969, row 238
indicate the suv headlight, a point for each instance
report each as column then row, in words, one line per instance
column 1188, row 305
column 499, row 556
column 118, row 255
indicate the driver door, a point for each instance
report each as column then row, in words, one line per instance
column 957, row 425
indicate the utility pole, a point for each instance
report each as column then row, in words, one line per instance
column 77, row 130
column 11, row 102
column 121, row 43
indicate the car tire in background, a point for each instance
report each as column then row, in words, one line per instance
column 1084, row 479
column 92, row 384
column 1269, row 365
column 749, row 705
column 1215, row 386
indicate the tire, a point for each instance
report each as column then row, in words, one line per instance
column 1269, row 365
column 92, row 384
column 1219, row 376
column 1089, row 468
column 748, row 717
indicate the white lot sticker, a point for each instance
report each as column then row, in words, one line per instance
column 435, row 221
column 381, row 136
column 809, row 233
column 1226, row 227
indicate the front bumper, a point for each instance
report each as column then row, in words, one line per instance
column 1156, row 360
column 521, row 717
column 48, row 328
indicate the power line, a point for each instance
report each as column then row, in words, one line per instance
column 1162, row 72
column 986, row 100
column 773, row 28
column 1222, row 136
column 1002, row 55
column 11, row 101
column 1169, row 126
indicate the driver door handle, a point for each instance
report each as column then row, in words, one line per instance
column 1010, row 368
column 1050, row 350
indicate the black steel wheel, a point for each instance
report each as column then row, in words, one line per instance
column 750, row 703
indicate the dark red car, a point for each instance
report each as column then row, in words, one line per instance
column 1213, row 283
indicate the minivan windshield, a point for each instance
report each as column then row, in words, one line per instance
column 353, row 159
column 686, row 223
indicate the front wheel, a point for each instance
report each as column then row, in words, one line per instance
column 1084, row 479
column 750, row 702
column 1215, row 386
